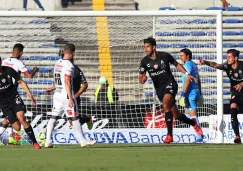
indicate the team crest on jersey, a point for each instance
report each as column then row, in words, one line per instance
column 236, row 75
column 155, row 66
column 3, row 80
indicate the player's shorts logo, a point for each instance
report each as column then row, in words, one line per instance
column 3, row 80
column 232, row 97
column 236, row 75
column 155, row 66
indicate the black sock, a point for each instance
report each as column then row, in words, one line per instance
column 169, row 121
column 234, row 121
column 185, row 119
column 84, row 119
column 31, row 134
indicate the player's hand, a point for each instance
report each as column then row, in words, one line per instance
column 192, row 78
column 142, row 79
column 35, row 69
column 49, row 90
column 201, row 61
column 71, row 103
column 33, row 101
column 238, row 87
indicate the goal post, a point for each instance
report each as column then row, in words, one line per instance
column 110, row 44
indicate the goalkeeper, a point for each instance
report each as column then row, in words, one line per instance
column 191, row 93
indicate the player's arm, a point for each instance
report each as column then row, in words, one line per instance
column 84, row 84
column 67, row 83
column 211, row 64
column 23, row 69
column 50, row 90
column 27, row 90
column 82, row 89
column 142, row 73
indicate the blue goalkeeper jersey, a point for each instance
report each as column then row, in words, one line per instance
column 192, row 69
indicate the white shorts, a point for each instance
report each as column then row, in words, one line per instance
column 60, row 106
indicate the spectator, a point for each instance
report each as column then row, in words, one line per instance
column 105, row 93
column 36, row 1
column 136, row 4
column 225, row 3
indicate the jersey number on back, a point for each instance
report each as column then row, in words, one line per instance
column 58, row 79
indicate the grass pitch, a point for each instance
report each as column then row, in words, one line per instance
column 123, row 157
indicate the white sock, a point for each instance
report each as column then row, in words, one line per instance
column 10, row 131
column 49, row 129
column 77, row 128
column 2, row 129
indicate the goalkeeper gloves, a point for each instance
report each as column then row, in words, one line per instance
column 182, row 100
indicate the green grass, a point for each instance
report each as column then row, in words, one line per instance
column 122, row 157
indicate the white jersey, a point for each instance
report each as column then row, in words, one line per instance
column 16, row 64
column 62, row 69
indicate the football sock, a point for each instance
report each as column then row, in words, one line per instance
column 184, row 119
column 3, row 128
column 78, row 128
column 31, row 134
column 169, row 121
column 10, row 131
column 234, row 121
column 49, row 129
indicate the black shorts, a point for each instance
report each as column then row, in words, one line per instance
column 237, row 98
column 12, row 107
column 171, row 88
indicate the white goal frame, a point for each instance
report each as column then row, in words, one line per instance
column 217, row 14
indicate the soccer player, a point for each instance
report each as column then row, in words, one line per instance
column 158, row 66
column 64, row 99
column 191, row 90
column 80, row 85
column 234, row 70
column 18, row 65
column 11, row 103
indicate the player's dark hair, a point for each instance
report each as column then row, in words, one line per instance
column 150, row 40
column 69, row 48
column 234, row 52
column 19, row 47
column 188, row 52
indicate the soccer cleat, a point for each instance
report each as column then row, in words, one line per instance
column 1, row 144
column 87, row 143
column 12, row 141
column 36, row 146
column 49, row 146
column 197, row 128
column 90, row 124
column 168, row 139
column 237, row 140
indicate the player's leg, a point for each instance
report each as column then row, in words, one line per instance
column 73, row 113
column 234, row 110
column 83, row 118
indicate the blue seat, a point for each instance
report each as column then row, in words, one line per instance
column 229, row 45
column 207, row 69
column 209, row 92
column 233, row 20
column 51, row 70
column 212, row 57
column 45, row 82
column 174, row 69
column 48, row 45
column 212, row 21
column 178, row 80
column 37, row 58
column 199, row 21
column 36, row 92
column 197, row 57
column 207, row 80
column 183, row 21
column 210, row 45
column 30, row 69
column 180, row 33
column 211, row 33
column 44, row 70
column 163, row 33
column 21, row 92
column 233, row 8
column 226, row 92
column 224, row 56
column 166, row 8
column 197, row 33
column 241, row 33
column 178, row 45
column 163, row 45
column 166, row 21
column 149, row 93
column 216, row 8
column 230, row 33
column 226, row 80
column 39, row 22
column 31, row 81
column 25, row 58
column 241, row 56
column 149, row 81
column 240, row 45
column 195, row 45
column 52, row 58
column 226, row 101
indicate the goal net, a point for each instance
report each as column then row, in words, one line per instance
column 110, row 44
